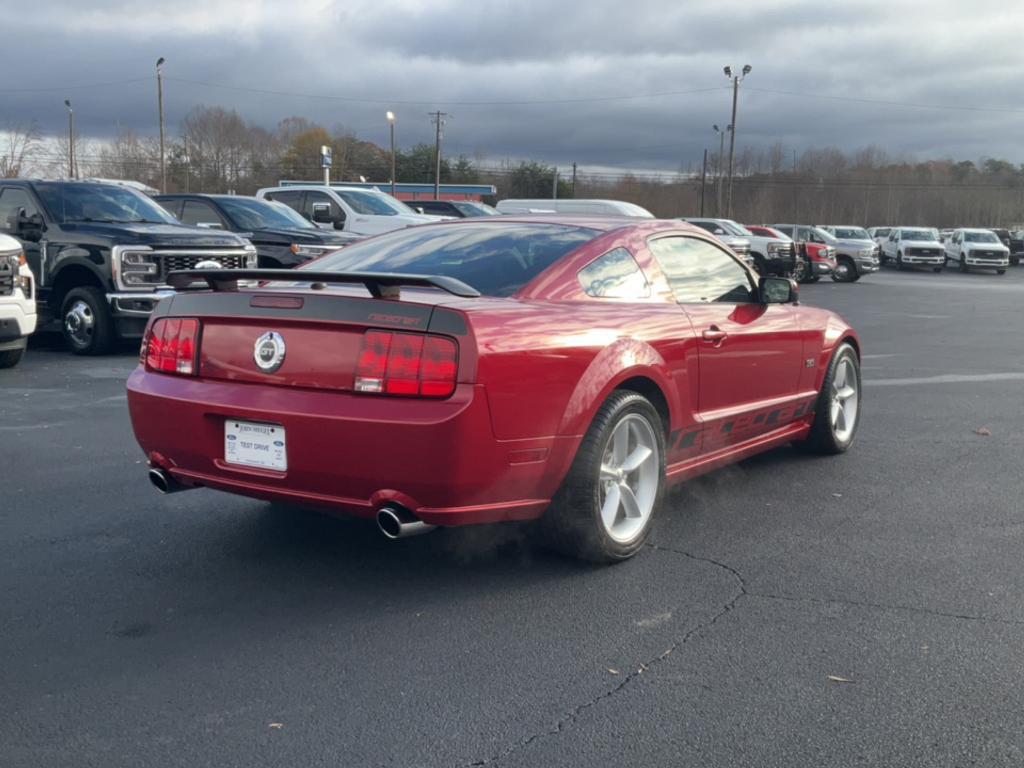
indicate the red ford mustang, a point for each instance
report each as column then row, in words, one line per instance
column 560, row 368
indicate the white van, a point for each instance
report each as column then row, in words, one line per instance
column 580, row 207
column 350, row 209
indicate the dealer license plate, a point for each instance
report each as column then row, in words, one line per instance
column 255, row 445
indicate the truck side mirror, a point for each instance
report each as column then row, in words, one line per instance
column 30, row 227
column 322, row 214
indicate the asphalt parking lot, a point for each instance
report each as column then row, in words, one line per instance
column 860, row 610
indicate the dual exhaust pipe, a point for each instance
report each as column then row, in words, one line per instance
column 394, row 522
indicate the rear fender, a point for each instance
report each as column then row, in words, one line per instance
column 622, row 360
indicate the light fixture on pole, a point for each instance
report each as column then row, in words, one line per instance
column 71, row 139
column 160, row 108
column 391, row 124
column 736, row 79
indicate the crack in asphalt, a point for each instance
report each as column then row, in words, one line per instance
column 887, row 607
column 566, row 720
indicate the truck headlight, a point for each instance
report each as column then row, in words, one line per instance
column 251, row 259
column 138, row 268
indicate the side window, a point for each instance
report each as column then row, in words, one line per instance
column 706, row 226
column 293, row 198
column 12, row 199
column 196, row 214
column 699, row 272
column 787, row 231
column 614, row 276
column 319, row 199
column 173, row 207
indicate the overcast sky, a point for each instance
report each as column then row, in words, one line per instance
column 656, row 65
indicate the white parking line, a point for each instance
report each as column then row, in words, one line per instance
column 946, row 378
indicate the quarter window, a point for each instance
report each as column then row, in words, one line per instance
column 700, row 272
column 195, row 213
column 614, row 276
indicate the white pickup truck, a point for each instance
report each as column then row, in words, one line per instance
column 979, row 248
column 17, row 302
column 914, row 247
column 349, row 209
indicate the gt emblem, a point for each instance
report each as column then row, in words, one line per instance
column 809, row 362
column 269, row 351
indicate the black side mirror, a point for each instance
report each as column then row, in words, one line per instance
column 322, row 214
column 30, row 227
column 778, row 290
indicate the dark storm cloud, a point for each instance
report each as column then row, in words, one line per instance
column 443, row 54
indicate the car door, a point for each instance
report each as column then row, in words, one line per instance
column 952, row 245
column 750, row 354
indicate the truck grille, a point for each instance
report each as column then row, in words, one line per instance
column 170, row 261
column 922, row 251
column 988, row 254
column 8, row 271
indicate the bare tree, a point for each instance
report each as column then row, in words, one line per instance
column 20, row 144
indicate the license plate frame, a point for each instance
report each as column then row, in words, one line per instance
column 254, row 444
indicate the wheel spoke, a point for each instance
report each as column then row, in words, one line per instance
column 840, row 419
column 834, row 415
column 629, row 503
column 620, row 443
column 610, row 509
column 845, row 393
column 609, row 473
column 839, row 380
column 639, row 455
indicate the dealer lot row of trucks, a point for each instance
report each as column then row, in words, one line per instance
column 93, row 257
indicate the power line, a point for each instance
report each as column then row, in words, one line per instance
column 884, row 102
column 107, row 84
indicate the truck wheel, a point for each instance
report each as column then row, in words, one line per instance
column 760, row 265
column 86, row 321
column 899, row 262
column 1015, row 260
column 845, row 272
column 837, row 409
column 1000, row 271
column 11, row 357
column 604, row 509
column 963, row 263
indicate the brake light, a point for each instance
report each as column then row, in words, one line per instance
column 171, row 345
column 410, row 364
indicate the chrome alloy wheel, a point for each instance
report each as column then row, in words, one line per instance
column 628, row 483
column 844, row 400
column 79, row 322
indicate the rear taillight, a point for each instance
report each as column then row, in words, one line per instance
column 171, row 345
column 407, row 364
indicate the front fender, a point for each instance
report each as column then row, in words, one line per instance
column 622, row 360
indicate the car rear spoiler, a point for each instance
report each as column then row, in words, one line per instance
column 381, row 285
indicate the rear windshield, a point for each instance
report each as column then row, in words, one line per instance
column 496, row 259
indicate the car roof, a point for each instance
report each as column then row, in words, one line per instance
column 600, row 223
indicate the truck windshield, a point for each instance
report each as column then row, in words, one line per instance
column 495, row 258
column 104, row 203
column 851, row 233
column 470, row 209
column 980, row 237
column 917, row 235
column 249, row 213
column 370, row 203
column 735, row 228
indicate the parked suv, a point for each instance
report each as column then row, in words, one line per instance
column 17, row 302
column 349, row 209
column 816, row 247
column 100, row 254
column 729, row 232
column 456, row 209
column 282, row 237
column 856, row 252
column 913, row 247
column 980, row 248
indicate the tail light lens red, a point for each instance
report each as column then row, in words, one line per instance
column 171, row 345
column 410, row 364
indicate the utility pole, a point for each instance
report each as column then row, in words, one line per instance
column 703, row 180
column 720, row 176
column 71, row 139
column 439, row 121
column 554, row 185
column 732, row 138
column 391, row 122
column 160, row 107
column 574, row 179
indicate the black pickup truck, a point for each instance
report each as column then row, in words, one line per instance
column 283, row 237
column 100, row 254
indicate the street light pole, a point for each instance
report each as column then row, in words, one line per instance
column 438, row 125
column 391, row 123
column 732, row 139
column 721, row 166
column 703, row 180
column 160, row 108
column 71, row 139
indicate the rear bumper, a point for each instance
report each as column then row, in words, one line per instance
column 351, row 454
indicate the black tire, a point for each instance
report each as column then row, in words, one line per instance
column 1000, row 271
column 899, row 262
column 87, row 303
column 11, row 357
column 800, row 269
column 822, row 438
column 760, row 265
column 812, row 278
column 1014, row 260
column 845, row 272
column 572, row 524
column 936, row 270
column 962, row 266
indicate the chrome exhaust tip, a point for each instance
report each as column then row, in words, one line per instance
column 398, row 523
column 163, row 482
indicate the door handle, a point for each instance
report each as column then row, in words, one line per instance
column 715, row 335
